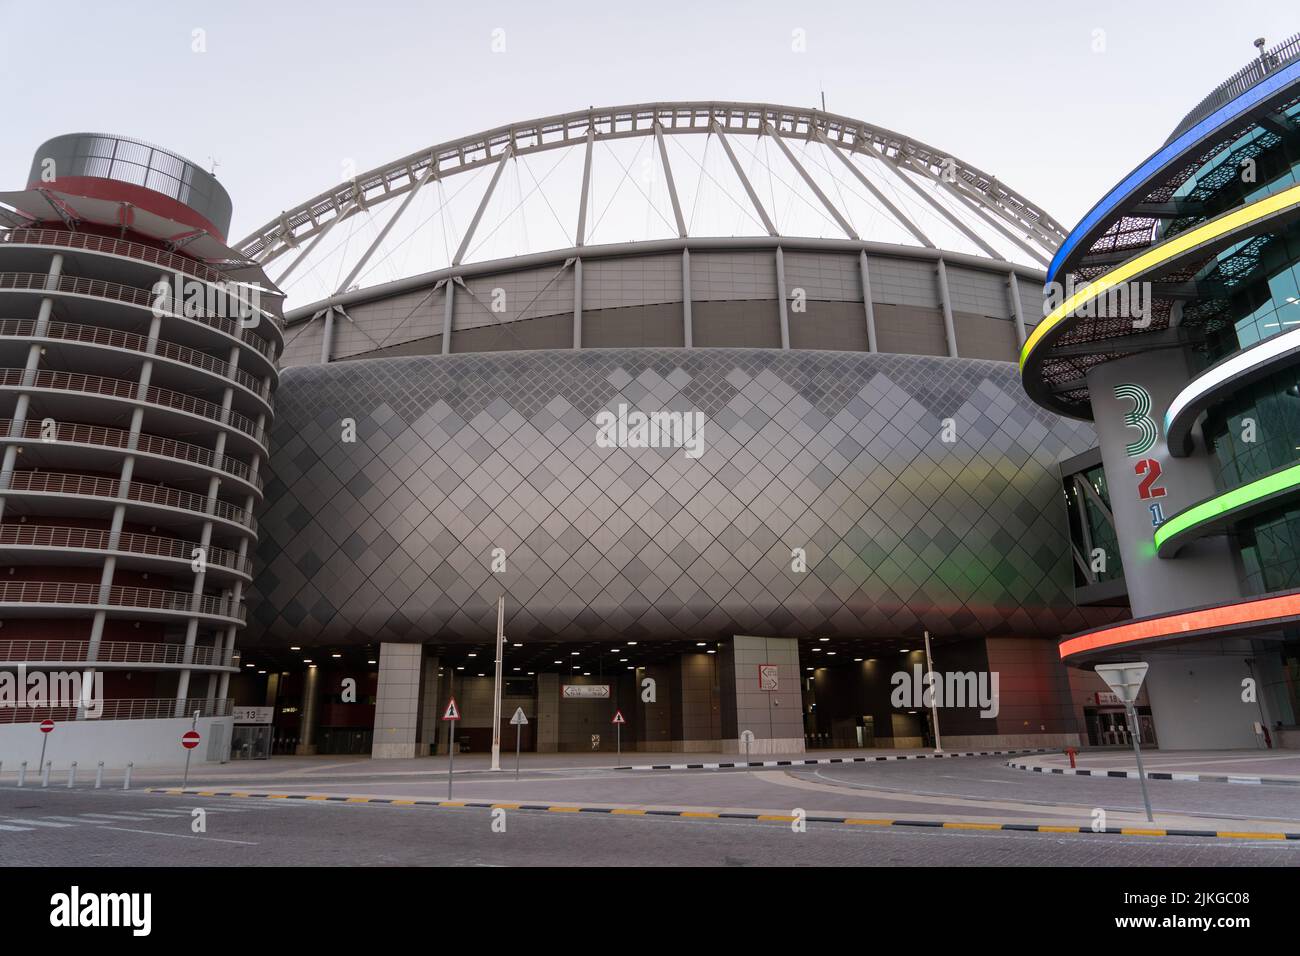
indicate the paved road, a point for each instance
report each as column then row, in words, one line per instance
column 991, row 779
column 962, row 789
column 89, row 828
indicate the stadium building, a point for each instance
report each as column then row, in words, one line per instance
column 1194, row 491
column 717, row 401
column 869, row 468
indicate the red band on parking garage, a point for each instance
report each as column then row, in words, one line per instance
column 1252, row 615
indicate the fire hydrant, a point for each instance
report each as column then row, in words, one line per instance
column 1071, row 753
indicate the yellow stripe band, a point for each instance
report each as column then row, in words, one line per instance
column 1223, row 225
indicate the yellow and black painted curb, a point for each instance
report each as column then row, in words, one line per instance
column 729, row 815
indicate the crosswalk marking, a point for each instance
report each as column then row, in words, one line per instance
column 4, row 826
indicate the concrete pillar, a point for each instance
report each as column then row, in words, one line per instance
column 272, row 689
column 697, row 719
column 548, row 713
column 308, row 712
column 397, row 704
column 688, row 332
column 868, row 308
column 432, row 704
column 449, row 306
column 945, row 302
column 654, row 719
column 577, row 303
column 780, row 295
column 775, row 717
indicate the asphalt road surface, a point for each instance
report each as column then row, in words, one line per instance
column 57, row 827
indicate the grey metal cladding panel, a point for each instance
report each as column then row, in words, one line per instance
column 826, row 276
column 630, row 281
column 839, row 453
column 1032, row 300
column 904, row 282
column 544, row 332
column 979, row 293
column 736, row 324
column 302, row 344
column 524, row 294
column 836, row 326
column 633, row 327
column 981, row 337
column 728, row 276
column 910, row 330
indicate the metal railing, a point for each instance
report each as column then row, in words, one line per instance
column 91, row 539
column 122, row 388
column 107, row 437
column 130, row 341
column 66, row 239
column 112, row 652
column 1253, row 72
column 45, row 482
column 154, row 599
column 116, row 291
column 141, row 708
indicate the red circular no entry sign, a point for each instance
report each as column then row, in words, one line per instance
column 46, row 726
column 190, row 739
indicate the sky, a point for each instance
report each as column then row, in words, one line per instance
column 1058, row 100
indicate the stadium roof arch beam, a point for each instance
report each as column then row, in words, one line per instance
column 907, row 186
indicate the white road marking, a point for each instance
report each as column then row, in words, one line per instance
column 37, row 823
column 183, row 836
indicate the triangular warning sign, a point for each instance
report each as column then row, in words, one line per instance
column 520, row 718
column 452, row 713
column 618, row 718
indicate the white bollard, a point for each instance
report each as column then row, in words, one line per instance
column 99, row 775
column 72, row 774
column 126, row 784
column 22, row 773
column 45, row 773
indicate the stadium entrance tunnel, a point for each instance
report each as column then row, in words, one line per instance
column 764, row 695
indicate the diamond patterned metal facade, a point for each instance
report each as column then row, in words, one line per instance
column 391, row 537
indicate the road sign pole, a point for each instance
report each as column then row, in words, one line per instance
column 194, row 722
column 1126, row 681
column 451, row 753
column 496, row 695
column 1131, row 713
column 517, row 730
column 451, row 715
column 618, row 741
column 45, row 738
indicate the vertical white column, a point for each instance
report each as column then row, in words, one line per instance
column 949, row 331
column 867, row 306
column 780, row 294
column 577, row 303
column 688, row 332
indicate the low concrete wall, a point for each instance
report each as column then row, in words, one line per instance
column 145, row 743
